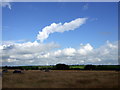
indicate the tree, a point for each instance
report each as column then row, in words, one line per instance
column 61, row 67
column 90, row 67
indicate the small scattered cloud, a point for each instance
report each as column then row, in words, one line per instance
column 85, row 7
column 105, row 33
column 6, row 3
column 67, row 26
column 93, row 19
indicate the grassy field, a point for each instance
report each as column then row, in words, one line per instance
column 77, row 66
column 61, row 79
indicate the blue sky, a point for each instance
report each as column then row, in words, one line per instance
column 22, row 21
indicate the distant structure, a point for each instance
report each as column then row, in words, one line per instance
column 5, row 71
column 17, row 71
column 46, row 70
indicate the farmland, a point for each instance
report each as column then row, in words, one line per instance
column 61, row 79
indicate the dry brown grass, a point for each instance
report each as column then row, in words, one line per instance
column 61, row 79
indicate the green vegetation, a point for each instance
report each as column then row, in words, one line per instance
column 61, row 67
column 66, row 67
column 77, row 66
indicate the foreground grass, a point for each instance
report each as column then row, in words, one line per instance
column 61, row 79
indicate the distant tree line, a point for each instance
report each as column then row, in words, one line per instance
column 21, row 67
column 102, row 67
column 65, row 67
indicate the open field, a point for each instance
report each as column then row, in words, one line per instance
column 61, row 79
column 77, row 66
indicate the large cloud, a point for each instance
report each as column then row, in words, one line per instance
column 44, row 34
column 24, row 51
column 34, row 53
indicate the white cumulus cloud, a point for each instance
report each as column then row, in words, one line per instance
column 34, row 53
column 85, row 49
column 67, row 26
column 66, row 51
